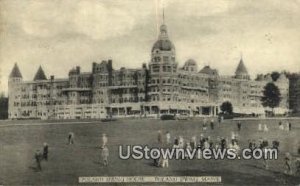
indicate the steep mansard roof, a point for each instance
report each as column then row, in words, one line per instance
column 15, row 73
column 40, row 75
column 241, row 69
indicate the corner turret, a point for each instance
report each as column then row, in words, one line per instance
column 15, row 76
column 241, row 71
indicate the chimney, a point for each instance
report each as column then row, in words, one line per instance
column 52, row 78
column 77, row 69
column 109, row 63
column 94, row 67
column 144, row 66
column 110, row 70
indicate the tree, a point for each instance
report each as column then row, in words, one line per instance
column 226, row 107
column 275, row 75
column 271, row 96
column 3, row 107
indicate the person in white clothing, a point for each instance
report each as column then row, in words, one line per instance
column 168, row 137
column 105, row 154
column 266, row 129
column 206, row 144
column 259, row 127
column 287, row 126
column 237, row 148
column 181, row 142
column 164, row 162
column 281, row 127
column 204, row 125
column 188, row 146
column 194, row 142
column 265, row 160
column 104, row 140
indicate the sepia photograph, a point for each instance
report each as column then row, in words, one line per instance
column 150, row 92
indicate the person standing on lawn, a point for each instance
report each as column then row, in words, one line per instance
column 38, row 159
column 159, row 137
column 104, row 140
column 288, row 163
column 168, row 137
column 105, row 154
column 239, row 125
column 71, row 137
column 212, row 124
column 204, row 126
column 45, row 151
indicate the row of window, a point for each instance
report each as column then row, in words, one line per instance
column 177, row 99
column 164, row 59
column 158, row 68
column 127, row 91
column 179, row 90
column 125, row 100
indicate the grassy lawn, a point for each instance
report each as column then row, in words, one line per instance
column 67, row 162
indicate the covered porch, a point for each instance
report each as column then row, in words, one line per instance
column 180, row 109
column 123, row 110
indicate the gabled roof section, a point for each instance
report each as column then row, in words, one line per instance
column 208, row 70
column 15, row 73
column 40, row 75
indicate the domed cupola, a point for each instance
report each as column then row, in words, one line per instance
column 163, row 43
column 190, row 65
column 163, row 57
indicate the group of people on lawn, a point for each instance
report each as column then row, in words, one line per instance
column 204, row 142
column 291, row 163
column 39, row 155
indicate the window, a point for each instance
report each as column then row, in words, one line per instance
column 164, row 68
column 155, row 68
column 168, row 69
column 157, row 59
column 165, row 58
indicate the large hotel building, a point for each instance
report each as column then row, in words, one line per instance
column 159, row 87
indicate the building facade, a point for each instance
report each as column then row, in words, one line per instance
column 159, row 87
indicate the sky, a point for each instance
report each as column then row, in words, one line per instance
column 59, row 35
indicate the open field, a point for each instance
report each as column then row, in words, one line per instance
column 67, row 162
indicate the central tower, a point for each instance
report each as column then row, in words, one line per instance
column 163, row 73
column 163, row 55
